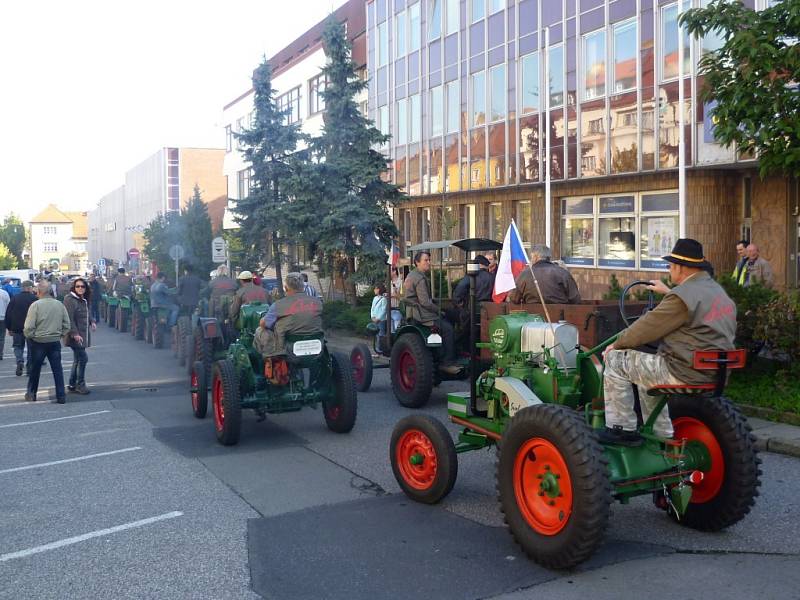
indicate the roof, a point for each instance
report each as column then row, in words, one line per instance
column 51, row 214
column 467, row 244
column 80, row 224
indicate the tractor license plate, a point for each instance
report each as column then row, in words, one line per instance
column 434, row 338
column 307, row 347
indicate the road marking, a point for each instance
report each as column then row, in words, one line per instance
column 69, row 460
column 99, row 412
column 88, row 536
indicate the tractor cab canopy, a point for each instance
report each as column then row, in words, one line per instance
column 468, row 245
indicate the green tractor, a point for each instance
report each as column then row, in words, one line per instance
column 211, row 335
column 306, row 375
column 112, row 303
column 140, row 312
column 540, row 403
column 123, row 312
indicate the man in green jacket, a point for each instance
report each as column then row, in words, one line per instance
column 47, row 322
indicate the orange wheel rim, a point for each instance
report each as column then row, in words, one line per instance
column 219, row 409
column 542, row 486
column 195, row 390
column 416, row 459
column 695, row 430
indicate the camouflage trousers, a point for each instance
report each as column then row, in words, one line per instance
column 265, row 341
column 626, row 367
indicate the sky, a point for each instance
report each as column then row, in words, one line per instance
column 91, row 88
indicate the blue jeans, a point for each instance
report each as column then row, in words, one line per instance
column 95, row 308
column 77, row 375
column 173, row 314
column 19, row 349
column 52, row 351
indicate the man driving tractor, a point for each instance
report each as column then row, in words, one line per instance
column 696, row 314
column 248, row 292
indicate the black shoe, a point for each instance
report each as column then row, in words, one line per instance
column 82, row 389
column 70, row 388
column 30, row 397
column 620, row 437
column 19, row 369
column 61, row 400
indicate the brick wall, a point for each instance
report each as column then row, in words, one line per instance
column 203, row 166
column 770, row 231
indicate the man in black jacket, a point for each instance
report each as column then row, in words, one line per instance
column 189, row 287
column 556, row 283
column 15, row 321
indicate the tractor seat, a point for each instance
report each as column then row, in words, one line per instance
column 706, row 360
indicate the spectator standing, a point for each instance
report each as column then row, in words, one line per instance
column 15, row 322
column 47, row 322
column 5, row 300
column 739, row 272
column 189, row 287
column 78, row 337
column 556, row 283
column 397, row 292
column 96, row 292
column 309, row 289
column 377, row 311
column 758, row 269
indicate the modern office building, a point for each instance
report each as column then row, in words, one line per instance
column 483, row 97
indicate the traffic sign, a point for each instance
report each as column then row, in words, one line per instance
column 101, row 263
column 219, row 250
column 176, row 252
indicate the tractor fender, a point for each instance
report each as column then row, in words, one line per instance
column 519, row 395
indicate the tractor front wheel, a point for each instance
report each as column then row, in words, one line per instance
column 158, row 333
column 147, row 334
column 227, row 403
column 111, row 313
column 340, row 411
column 184, row 330
column 423, row 458
column 361, row 362
column 730, row 486
column 553, row 486
column 411, row 369
column 198, row 389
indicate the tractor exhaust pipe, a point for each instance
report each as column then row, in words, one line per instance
column 472, row 270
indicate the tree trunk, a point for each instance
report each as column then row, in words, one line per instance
column 350, row 295
column 276, row 254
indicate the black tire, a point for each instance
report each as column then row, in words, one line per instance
column 361, row 364
column 148, row 330
column 715, row 506
column 411, row 367
column 203, row 349
column 427, row 438
column 184, row 331
column 225, row 396
column 340, row 413
column 173, row 343
column 123, row 320
column 562, row 526
column 159, row 334
column 111, row 320
column 198, row 390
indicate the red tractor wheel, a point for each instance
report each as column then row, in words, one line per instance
column 730, row 485
column 552, row 480
column 361, row 363
column 227, row 403
column 198, row 390
column 411, row 370
column 423, row 458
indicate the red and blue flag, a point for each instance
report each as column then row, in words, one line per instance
column 513, row 260
column 394, row 255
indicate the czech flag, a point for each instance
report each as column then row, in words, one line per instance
column 513, row 260
column 394, row 255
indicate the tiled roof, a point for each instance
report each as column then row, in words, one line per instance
column 51, row 214
column 80, row 224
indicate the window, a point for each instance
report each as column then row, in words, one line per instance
column 383, row 44
column 624, row 76
column 453, row 107
column 50, row 247
column 228, row 138
column 437, row 107
column 402, row 121
column 383, row 119
column 596, row 126
column 435, row 21
column 425, row 225
column 495, row 5
column 632, row 230
column 594, row 65
column 406, row 227
column 173, row 179
column 49, row 230
column 244, row 183
column 478, row 9
column 713, row 40
column 289, row 104
column 494, row 222
column 400, row 34
column 498, row 91
column 588, row 163
column 414, row 27
column 239, row 129
column 453, row 14
column 669, row 44
column 530, row 83
column 522, row 217
column 628, row 119
column 479, row 98
column 416, row 120
column 556, row 75
column 316, row 101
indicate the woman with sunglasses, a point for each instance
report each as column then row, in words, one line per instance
column 81, row 325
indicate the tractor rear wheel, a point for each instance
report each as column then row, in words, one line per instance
column 111, row 314
column 553, row 486
column 122, row 319
column 729, row 488
column 227, row 403
column 202, row 349
column 411, row 370
column 198, row 389
column 184, row 329
column 138, row 326
column 159, row 332
column 340, row 412
column 361, row 362
column 423, row 457
column 147, row 334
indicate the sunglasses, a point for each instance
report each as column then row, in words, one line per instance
column 80, row 286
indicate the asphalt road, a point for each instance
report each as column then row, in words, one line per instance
column 124, row 494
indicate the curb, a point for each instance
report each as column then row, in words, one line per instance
column 778, row 445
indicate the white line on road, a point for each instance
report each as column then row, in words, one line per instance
column 88, row 536
column 99, row 412
column 69, row 460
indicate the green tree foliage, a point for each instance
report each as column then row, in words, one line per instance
column 7, row 258
column 12, row 235
column 197, row 241
column 753, row 78
column 267, row 146
column 163, row 232
column 341, row 203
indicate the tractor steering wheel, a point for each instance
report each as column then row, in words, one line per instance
column 650, row 302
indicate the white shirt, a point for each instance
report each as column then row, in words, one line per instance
column 4, row 300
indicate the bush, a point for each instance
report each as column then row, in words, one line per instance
column 778, row 323
column 639, row 293
column 340, row 315
column 749, row 300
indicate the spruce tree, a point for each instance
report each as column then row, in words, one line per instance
column 341, row 202
column 267, row 146
column 198, row 236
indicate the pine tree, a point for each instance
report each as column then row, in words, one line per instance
column 197, row 225
column 341, row 202
column 163, row 232
column 268, row 146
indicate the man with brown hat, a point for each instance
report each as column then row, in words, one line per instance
column 696, row 314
